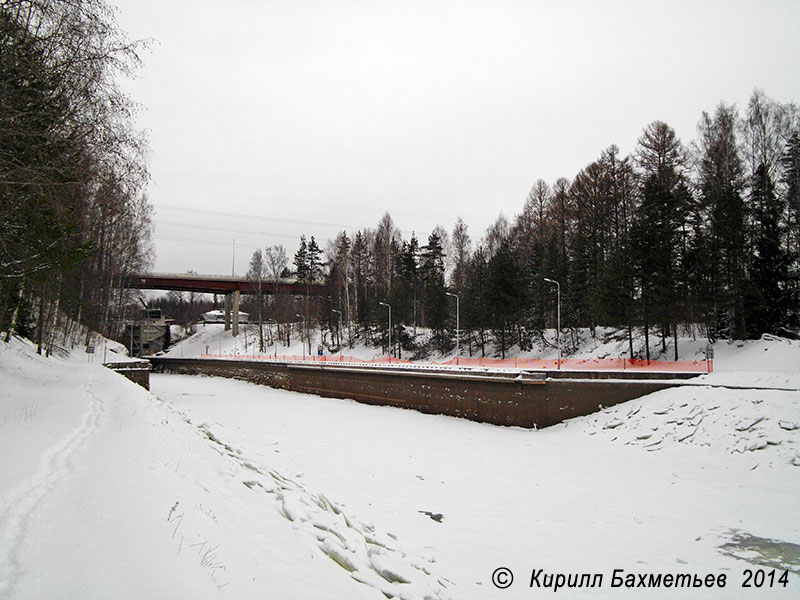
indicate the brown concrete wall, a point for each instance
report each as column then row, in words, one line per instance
column 138, row 371
column 523, row 402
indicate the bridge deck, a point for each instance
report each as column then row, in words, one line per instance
column 219, row 284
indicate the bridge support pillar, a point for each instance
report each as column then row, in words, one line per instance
column 235, row 313
column 227, row 311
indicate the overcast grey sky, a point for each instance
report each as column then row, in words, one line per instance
column 309, row 117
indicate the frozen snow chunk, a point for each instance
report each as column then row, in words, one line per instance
column 372, row 539
column 294, row 510
column 252, row 467
column 391, row 568
column 748, row 424
column 759, row 444
column 330, row 530
column 788, row 425
column 613, row 424
column 339, row 555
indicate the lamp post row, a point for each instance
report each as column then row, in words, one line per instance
column 458, row 323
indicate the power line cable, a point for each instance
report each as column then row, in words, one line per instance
column 227, row 230
column 222, row 213
column 205, row 242
column 337, row 226
column 337, row 207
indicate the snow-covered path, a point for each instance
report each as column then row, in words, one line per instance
column 18, row 506
column 106, row 492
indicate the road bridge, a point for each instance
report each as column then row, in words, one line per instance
column 232, row 287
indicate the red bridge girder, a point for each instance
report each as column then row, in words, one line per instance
column 219, row 284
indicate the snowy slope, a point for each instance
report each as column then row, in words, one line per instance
column 211, row 488
column 106, row 493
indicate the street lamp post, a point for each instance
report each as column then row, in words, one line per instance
column 339, row 330
column 458, row 312
column 302, row 343
column 390, row 324
column 558, row 319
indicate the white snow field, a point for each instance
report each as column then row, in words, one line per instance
column 213, row 488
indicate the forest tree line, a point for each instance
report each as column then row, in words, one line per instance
column 703, row 237
column 75, row 221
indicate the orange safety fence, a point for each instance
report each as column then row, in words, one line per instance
column 565, row 364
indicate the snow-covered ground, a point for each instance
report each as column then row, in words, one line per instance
column 210, row 488
column 211, row 338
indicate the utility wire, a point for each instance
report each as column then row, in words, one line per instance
column 227, row 230
column 337, row 207
column 205, row 242
column 221, row 213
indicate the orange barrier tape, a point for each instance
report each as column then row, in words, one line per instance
column 566, row 364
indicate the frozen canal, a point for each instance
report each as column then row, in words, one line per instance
column 680, row 482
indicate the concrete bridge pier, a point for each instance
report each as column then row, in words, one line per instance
column 227, row 311
column 232, row 298
column 236, row 313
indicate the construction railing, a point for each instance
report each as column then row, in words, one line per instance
column 565, row 364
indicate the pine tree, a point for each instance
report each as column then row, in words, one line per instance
column 475, row 300
column 313, row 262
column 301, row 260
column 406, row 282
column 770, row 302
column 722, row 184
column 528, row 235
column 655, row 239
column 360, row 268
column 505, row 294
column 435, row 300
column 461, row 250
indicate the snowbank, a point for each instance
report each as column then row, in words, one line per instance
column 770, row 362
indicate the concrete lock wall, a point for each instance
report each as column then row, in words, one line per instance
column 527, row 400
column 137, row 371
